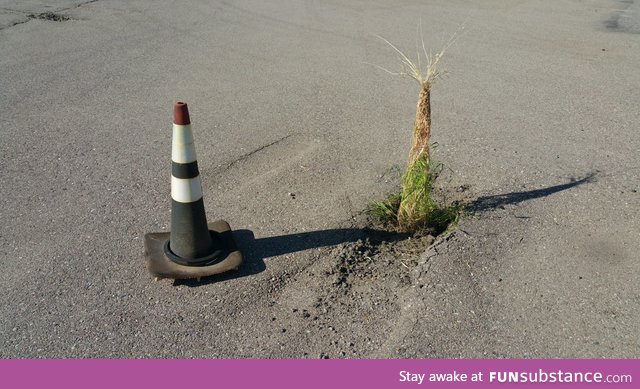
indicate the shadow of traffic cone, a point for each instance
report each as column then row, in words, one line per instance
column 193, row 248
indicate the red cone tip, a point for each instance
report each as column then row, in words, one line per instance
column 181, row 114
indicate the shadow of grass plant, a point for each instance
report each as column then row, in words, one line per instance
column 415, row 208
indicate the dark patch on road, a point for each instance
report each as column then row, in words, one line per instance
column 626, row 19
column 613, row 23
column 51, row 16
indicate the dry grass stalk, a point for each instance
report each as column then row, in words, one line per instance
column 422, row 127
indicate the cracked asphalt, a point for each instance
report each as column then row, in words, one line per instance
column 296, row 132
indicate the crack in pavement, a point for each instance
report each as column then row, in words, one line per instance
column 246, row 156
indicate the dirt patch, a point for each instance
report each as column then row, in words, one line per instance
column 353, row 295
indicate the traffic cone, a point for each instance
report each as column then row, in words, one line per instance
column 193, row 248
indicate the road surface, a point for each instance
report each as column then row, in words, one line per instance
column 296, row 132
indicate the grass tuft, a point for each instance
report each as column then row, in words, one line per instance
column 415, row 208
column 428, row 214
column 385, row 211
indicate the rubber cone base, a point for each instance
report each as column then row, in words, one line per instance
column 162, row 267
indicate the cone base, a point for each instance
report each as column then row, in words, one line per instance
column 162, row 266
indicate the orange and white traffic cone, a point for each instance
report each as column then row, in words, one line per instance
column 193, row 248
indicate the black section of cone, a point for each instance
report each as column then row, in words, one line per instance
column 184, row 170
column 190, row 238
column 216, row 256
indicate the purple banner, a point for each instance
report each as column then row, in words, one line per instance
column 186, row 374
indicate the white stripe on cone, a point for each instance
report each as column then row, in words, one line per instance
column 186, row 190
column 183, row 149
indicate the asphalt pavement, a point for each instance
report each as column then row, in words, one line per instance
column 296, row 132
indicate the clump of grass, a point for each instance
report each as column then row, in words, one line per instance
column 415, row 207
column 438, row 218
column 385, row 211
